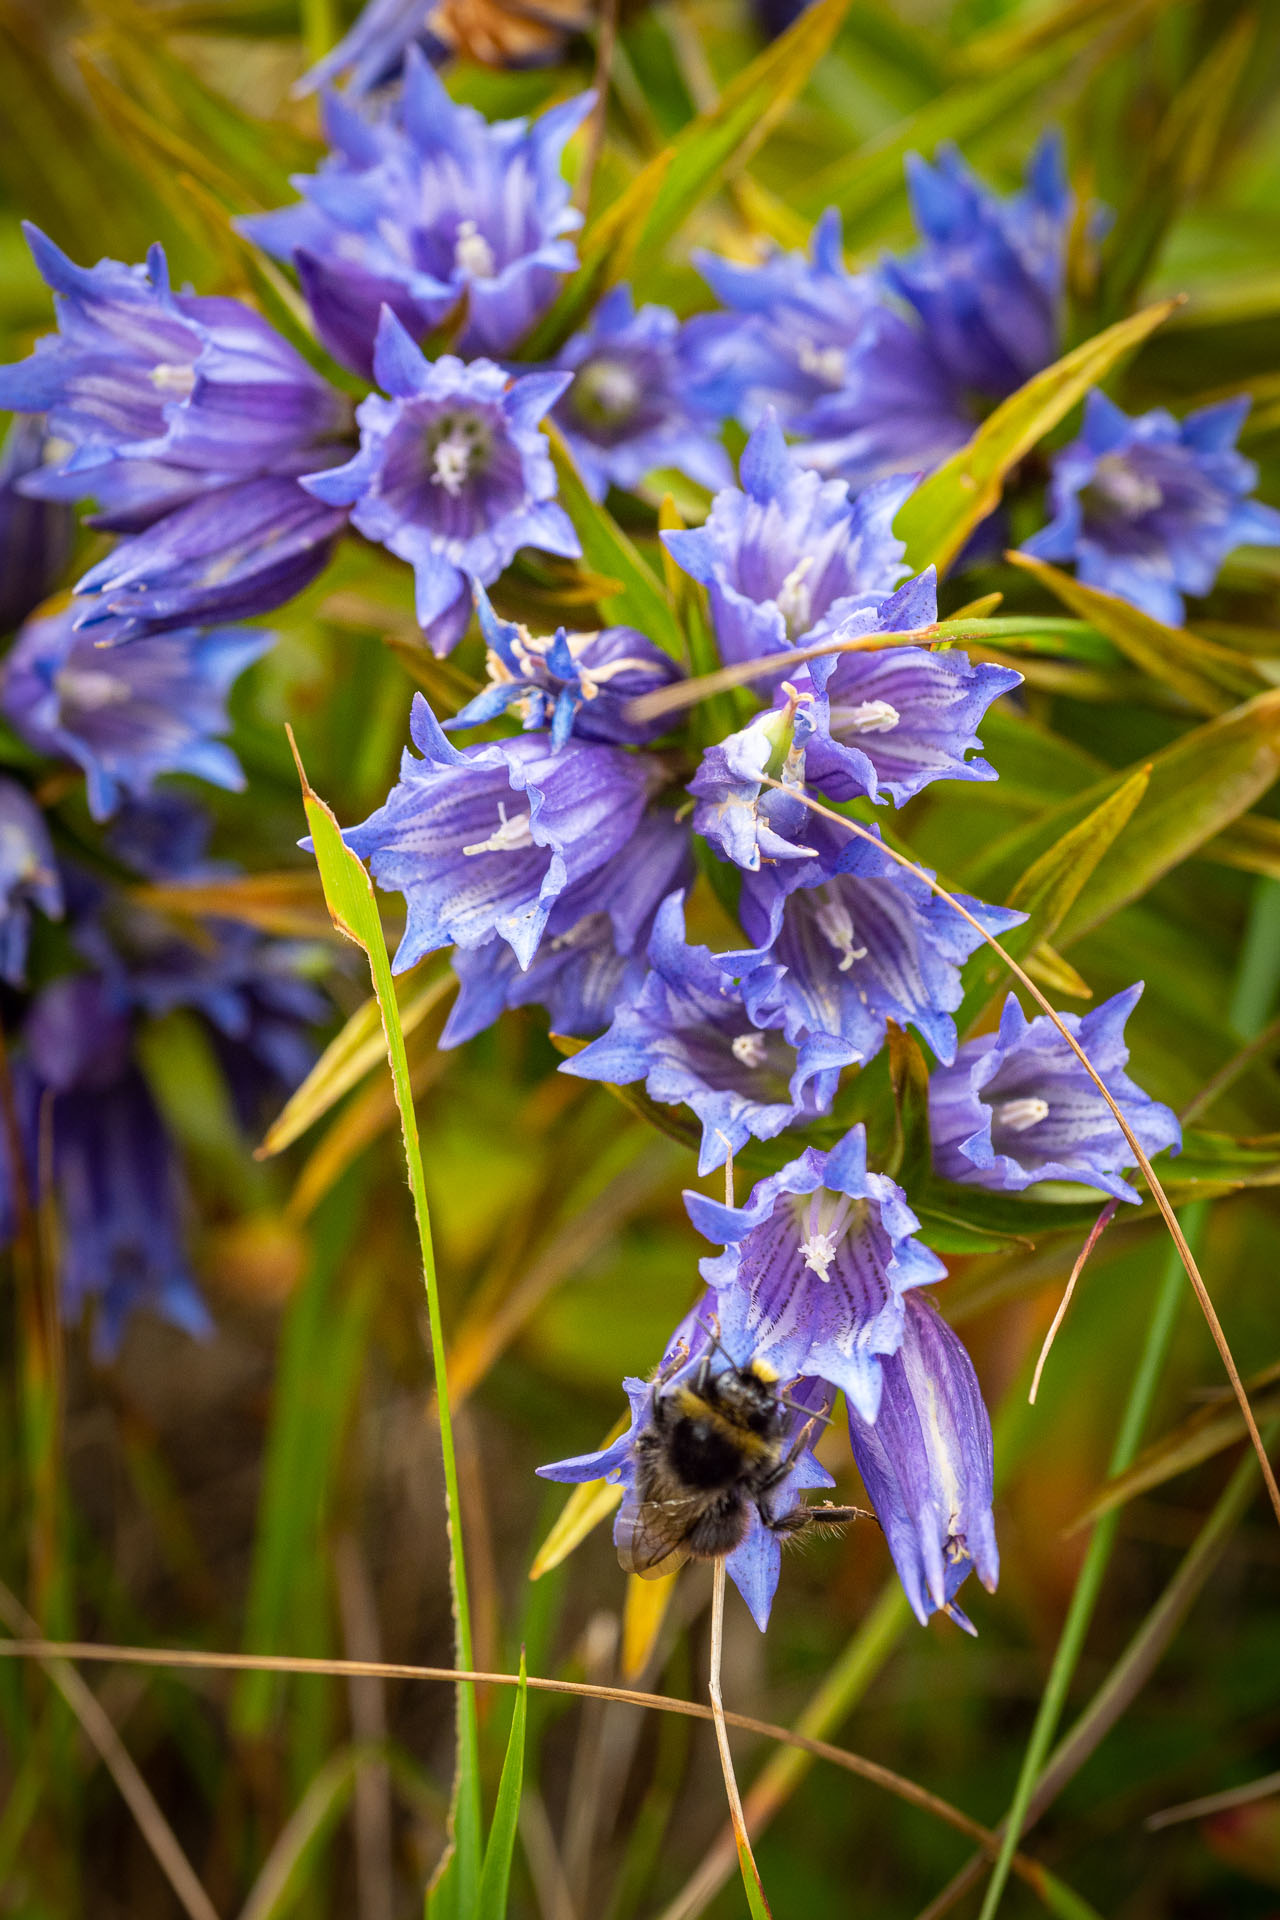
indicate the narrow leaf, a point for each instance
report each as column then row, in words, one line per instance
column 496, row 1873
column 643, row 1613
column 940, row 515
column 583, row 1511
column 606, row 250
column 640, row 601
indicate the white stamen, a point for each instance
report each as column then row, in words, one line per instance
column 90, row 688
column 452, row 460
column 794, row 600
column 819, row 1251
column 613, row 388
column 821, row 363
column 835, row 924
column 873, row 716
column 506, row 836
column 171, row 378
column 472, row 253
column 1122, row 487
column 826, row 1220
column 1018, row 1115
column 749, row 1048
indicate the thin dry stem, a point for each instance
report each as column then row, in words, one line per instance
column 1096, row 1232
column 1210, row 1803
column 1144, row 1165
column 740, row 1833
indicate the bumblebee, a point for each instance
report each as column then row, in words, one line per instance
column 716, row 1448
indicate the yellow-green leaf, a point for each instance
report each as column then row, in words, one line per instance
column 642, row 601
column 582, row 1513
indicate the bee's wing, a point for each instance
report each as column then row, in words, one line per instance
column 649, row 1536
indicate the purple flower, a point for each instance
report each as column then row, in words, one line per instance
column 1017, row 1107
column 791, row 556
column 696, row 1035
column 28, row 877
column 35, row 535
column 1148, row 508
column 638, row 400
column 567, row 683
column 816, row 1269
column 926, row 1463
column 482, row 842
column 435, row 213
column 754, row 1564
column 987, row 279
column 857, row 382
column 893, row 719
column 744, row 819
column 115, row 1176
column 591, row 956
column 452, row 474
column 860, row 941
column 180, row 387
column 128, row 715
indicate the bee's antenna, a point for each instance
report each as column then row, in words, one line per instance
column 714, row 1337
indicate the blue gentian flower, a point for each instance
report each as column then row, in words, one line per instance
column 816, row 1268
column 745, row 820
column 638, row 400
column 130, row 714
column 698, row 1036
column 926, row 1462
column 890, row 720
column 1017, row 1107
column 452, row 474
column 854, row 380
column 860, row 941
column 179, row 387
column 790, row 556
column 116, row 1180
column 987, row 279
column 591, row 957
column 35, row 535
column 755, row 1564
column 1148, row 508
column 28, row 877
column 484, row 841
column 435, row 213
column 566, row 683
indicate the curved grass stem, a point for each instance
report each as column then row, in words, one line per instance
column 756, row 1899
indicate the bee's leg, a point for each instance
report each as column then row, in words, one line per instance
column 800, row 1517
column 778, row 1474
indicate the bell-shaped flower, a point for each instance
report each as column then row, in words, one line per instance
column 816, row 1269
column 434, row 212
column 1016, row 1106
column 127, row 715
column 742, row 817
column 28, row 877
column 452, row 474
column 856, row 381
column 566, row 683
column 753, row 1565
column 482, row 842
column 638, row 401
column 591, row 957
column 860, row 941
column 1148, row 508
column 699, row 1036
column 926, row 1463
column 790, row 556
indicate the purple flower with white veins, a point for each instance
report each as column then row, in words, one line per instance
column 452, row 474
column 755, row 1563
column 926, row 1462
column 891, row 720
column 638, row 401
column 28, row 877
column 1149, row 508
column 742, row 817
column 482, row 842
column 128, row 715
column 860, row 941
column 434, row 212
column 790, row 556
column 569, row 683
column 592, row 953
column 698, row 1036
column 816, row 1269
column 1017, row 1107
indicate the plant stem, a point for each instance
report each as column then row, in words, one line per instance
column 756, row 1900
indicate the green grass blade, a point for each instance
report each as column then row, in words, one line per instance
column 496, row 1874
column 641, row 600
column 348, row 891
